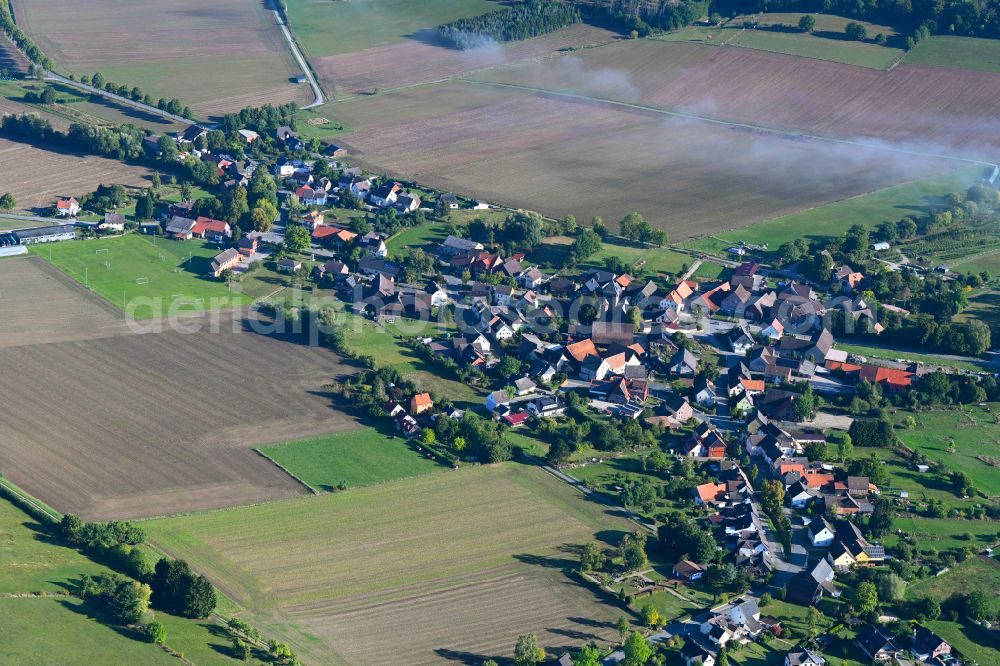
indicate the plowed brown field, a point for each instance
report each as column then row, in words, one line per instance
column 37, row 177
column 417, row 61
column 929, row 108
column 562, row 155
column 152, row 424
column 217, row 56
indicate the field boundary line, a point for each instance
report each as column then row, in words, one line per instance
column 287, row 471
column 16, row 494
column 725, row 123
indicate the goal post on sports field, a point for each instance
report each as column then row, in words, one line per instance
column 102, row 250
column 142, row 280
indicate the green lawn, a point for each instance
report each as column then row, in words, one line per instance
column 984, row 306
column 889, row 204
column 920, row 486
column 61, row 631
column 324, row 28
column 554, row 251
column 314, row 124
column 945, row 533
column 29, row 562
column 870, row 352
column 975, row 573
column 148, row 277
column 951, row 51
column 975, row 432
column 32, row 561
column 175, row 271
column 360, row 457
column 424, row 236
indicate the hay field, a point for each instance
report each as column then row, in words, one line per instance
column 378, row 68
column 40, row 305
column 37, row 177
column 560, row 155
column 215, row 57
column 913, row 106
column 450, row 565
column 151, row 424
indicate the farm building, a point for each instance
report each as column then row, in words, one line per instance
column 287, row 265
column 45, row 234
column 67, row 207
column 225, row 261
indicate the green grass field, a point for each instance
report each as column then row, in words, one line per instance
column 324, row 28
column 871, row 351
column 147, row 279
column 60, row 631
column 31, row 561
column 984, row 306
column 977, row 573
column 889, row 204
column 301, row 567
column 975, row 431
column 182, row 272
column 360, row 457
column 963, row 52
column 386, row 344
column 929, row 485
column 945, row 533
column 826, row 42
column 554, row 251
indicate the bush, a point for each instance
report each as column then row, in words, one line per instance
column 156, row 633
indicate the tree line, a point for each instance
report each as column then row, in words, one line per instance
column 20, row 39
column 522, row 21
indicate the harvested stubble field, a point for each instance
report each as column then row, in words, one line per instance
column 37, row 177
column 559, row 155
column 919, row 107
column 379, row 67
column 142, row 425
column 450, row 565
column 216, row 57
column 41, row 305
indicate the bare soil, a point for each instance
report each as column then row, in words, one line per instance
column 143, row 425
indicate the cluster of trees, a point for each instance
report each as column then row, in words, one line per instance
column 643, row 18
column 521, row 231
column 946, row 17
column 635, row 227
column 7, row 201
column 21, row 40
column 46, row 96
column 178, row 590
column 472, row 434
column 136, row 94
column 521, row 21
column 124, row 599
column 114, row 542
column 680, row 538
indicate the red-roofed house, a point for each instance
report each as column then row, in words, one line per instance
column 212, row 230
column 514, row 420
column 67, row 207
column 708, row 493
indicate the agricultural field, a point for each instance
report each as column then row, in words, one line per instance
column 778, row 33
column 912, row 107
column 963, row 52
column 888, row 204
column 943, row 534
column 37, row 177
column 975, row 431
column 377, row 69
column 153, row 424
column 457, row 564
column 216, row 60
column 323, row 28
column 556, row 153
column 47, row 306
column 355, row 458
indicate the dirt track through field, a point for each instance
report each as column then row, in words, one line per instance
column 153, row 424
